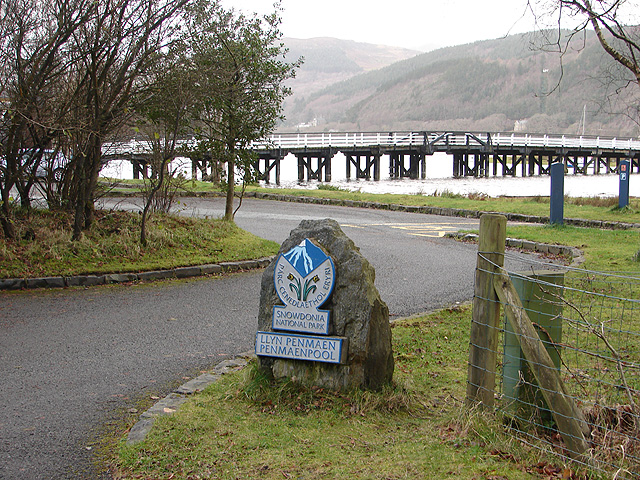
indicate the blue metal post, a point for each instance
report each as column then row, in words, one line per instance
column 557, row 193
column 623, row 196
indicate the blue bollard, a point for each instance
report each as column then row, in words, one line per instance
column 623, row 195
column 557, row 193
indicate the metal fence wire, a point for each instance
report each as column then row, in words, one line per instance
column 589, row 324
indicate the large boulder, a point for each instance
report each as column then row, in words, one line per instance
column 356, row 312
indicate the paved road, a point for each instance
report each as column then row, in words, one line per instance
column 416, row 268
column 72, row 360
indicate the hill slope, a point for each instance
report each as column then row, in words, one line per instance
column 328, row 61
column 494, row 85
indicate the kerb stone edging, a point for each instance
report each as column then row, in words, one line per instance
column 574, row 253
column 427, row 210
column 449, row 212
column 170, row 404
column 109, row 278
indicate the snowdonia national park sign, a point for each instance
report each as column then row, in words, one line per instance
column 303, row 278
column 321, row 321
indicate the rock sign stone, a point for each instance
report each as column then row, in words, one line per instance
column 356, row 312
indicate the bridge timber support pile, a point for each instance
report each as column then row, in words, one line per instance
column 474, row 154
column 534, row 163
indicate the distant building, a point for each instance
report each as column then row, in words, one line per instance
column 312, row 123
column 520, row 125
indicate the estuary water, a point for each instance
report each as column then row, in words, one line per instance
column 439, row 169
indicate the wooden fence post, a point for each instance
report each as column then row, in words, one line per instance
column 481, row 379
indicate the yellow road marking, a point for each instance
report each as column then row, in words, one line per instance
column 438, row 235
column 434, row 230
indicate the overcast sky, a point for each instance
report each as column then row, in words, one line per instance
column 406, row 23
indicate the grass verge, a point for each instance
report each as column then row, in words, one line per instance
column 588, row 208
column 44, row 247
column 246, row 427
column 604, row 250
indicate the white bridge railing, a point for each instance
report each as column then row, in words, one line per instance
column 442, row 140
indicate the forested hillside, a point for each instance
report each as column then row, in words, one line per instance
column 328, row 61
column 495, row 85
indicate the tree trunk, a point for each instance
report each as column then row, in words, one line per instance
column 79, row 199
column 152, row 194
column 78, row 218
column 228, row 211
column 94, row 166
column 5, row 216
column 85, row 179
column 7, row 227
column 143, row 221
column 25, row 194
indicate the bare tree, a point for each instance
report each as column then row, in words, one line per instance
column 614, row 23
column 164, row 118
column 33, row 61
column 72, row 73
column 119, row 48
column 75, row 72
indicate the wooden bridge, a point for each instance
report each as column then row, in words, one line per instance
column 474, row 154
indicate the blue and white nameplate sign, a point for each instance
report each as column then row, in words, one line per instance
column 302, row 347
column 304, row 278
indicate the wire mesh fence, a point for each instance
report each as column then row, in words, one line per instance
column 589, row 325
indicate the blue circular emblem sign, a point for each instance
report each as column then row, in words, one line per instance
column 304, row 278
